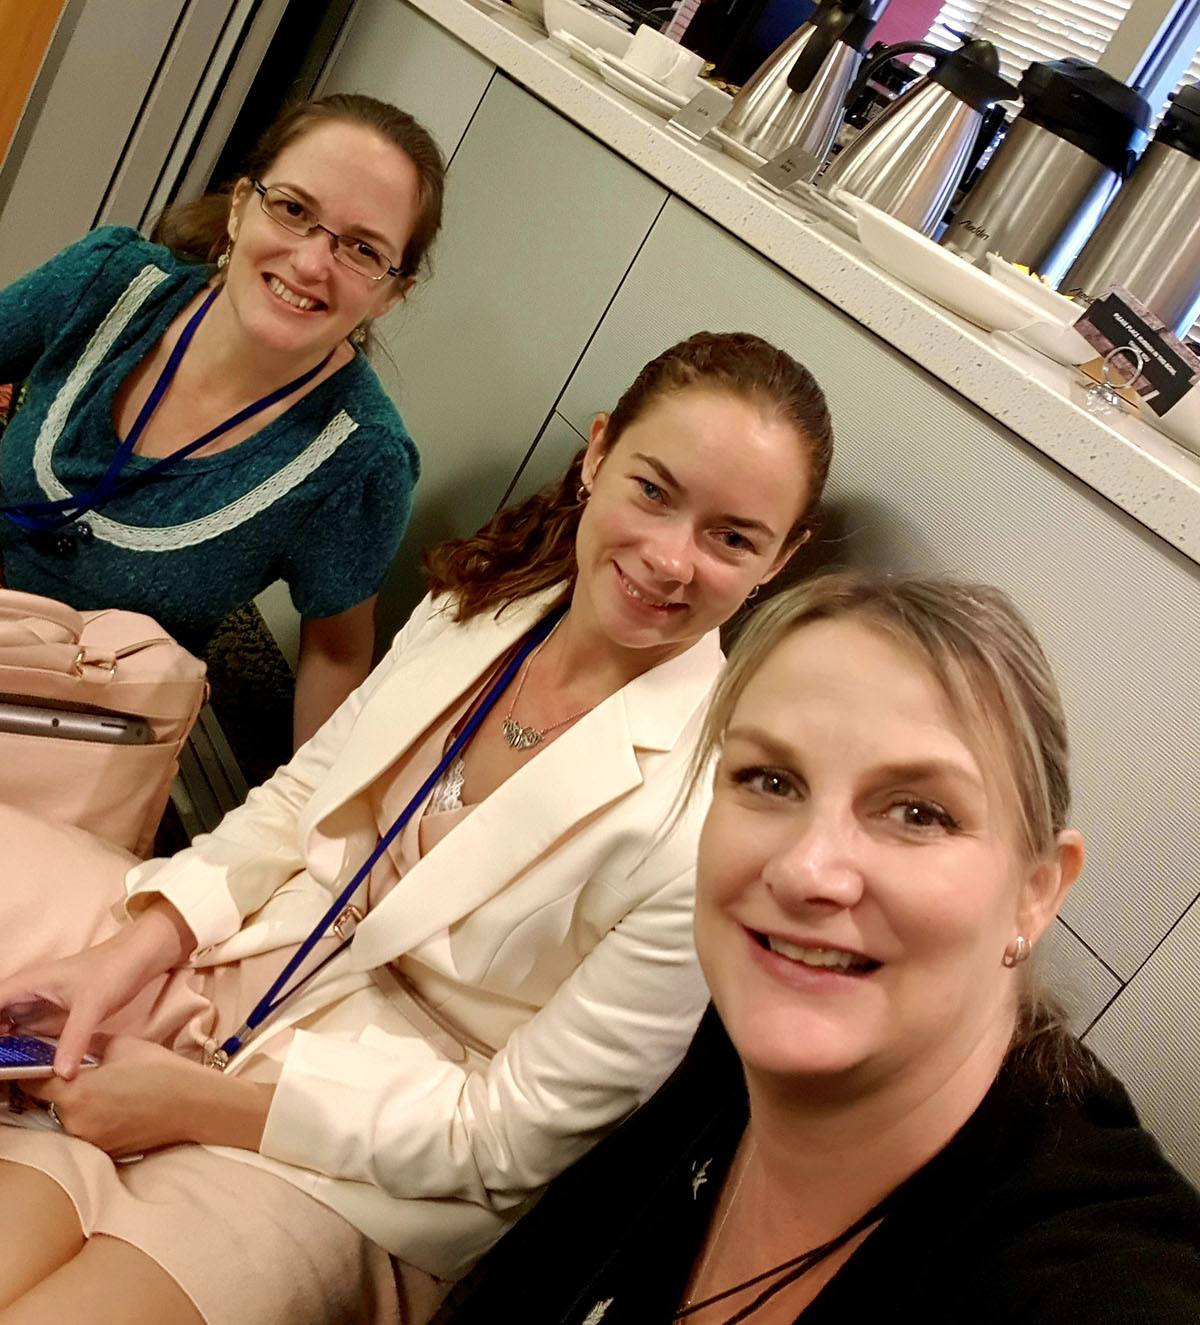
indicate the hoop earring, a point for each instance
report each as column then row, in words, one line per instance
column 1017, row 951
column 581, row 495
column 752, row 594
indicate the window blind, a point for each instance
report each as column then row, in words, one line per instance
column 1027, row 30
column 1191, row 73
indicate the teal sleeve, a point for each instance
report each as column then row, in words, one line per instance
column 34, row 307
column 349, row 544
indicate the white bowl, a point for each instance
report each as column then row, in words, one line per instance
column 588, row 25
column 1054, row 335
column 1058, row 306
column 1181, row 422
column 946, row 278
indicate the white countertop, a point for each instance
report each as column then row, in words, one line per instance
column 1132, row 464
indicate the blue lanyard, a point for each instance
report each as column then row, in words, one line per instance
column 278, row 993
column 50, row 516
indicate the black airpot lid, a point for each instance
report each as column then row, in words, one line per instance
column 1180, row 126
column 1097, row 112
column 972, row 73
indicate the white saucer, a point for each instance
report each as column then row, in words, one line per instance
column 731, row 147
column 662, row 101
column 822, row 206
column 589, row 56
column 504, row 7
column 648, row 81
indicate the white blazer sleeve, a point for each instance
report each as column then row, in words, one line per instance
column 389, row 1111
column 228, row 874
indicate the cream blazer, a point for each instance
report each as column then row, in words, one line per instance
column 551, row 927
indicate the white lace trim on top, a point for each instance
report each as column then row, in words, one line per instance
column 447, row 790
column 138, row 538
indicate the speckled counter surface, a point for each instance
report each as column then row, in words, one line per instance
column 1139, row 469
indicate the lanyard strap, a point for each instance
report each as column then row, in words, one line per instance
column 279, row 991
column 48, row 516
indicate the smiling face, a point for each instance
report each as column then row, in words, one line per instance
column 860, row 872
column 287, row 291
column 687, row 512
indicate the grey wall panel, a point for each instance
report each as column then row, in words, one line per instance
column 392, row 52
column 85, row 118
column 923, row 480
column 542, row 224
column 1151, row 1038
column 1083, row 983
column 556, row 448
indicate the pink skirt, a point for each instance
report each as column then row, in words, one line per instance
column 247, row 1247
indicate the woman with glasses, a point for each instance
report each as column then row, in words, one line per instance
column 199, row 418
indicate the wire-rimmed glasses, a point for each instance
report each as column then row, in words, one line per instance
column 351, row 251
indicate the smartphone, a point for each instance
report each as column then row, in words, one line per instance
column 31, row 1056
column 73, row 724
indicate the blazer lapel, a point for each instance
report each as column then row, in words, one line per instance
column 591, row 765
column 418, row 689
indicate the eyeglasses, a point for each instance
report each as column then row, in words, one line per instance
column 349, row 250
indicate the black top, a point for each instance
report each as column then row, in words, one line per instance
column 1039, row 1210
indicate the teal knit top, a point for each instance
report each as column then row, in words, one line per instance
column 318, row 497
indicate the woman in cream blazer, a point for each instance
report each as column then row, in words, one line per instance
column 512, row 989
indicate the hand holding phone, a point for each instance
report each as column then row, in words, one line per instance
column 29, row 1056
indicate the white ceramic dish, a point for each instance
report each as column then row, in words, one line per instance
column 935, row 271
column 586, row 55
column 1053, row 335
column 731, row 147
column 1058, row 306
column 1181, row 422
column 832, row 207
column 662, row 102
column 587, row 26
column 649, row 82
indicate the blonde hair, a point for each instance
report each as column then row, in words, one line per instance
column 977, row 646
column 998, row 682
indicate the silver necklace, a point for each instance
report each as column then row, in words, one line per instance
column 525, row 738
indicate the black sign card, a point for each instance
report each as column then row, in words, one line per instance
column 1169, row 368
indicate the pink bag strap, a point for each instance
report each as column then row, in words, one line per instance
column 46, row 618
column 44, row 634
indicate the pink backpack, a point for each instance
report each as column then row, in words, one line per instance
column 95, row 662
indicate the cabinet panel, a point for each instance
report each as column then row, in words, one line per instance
column 393, row 53
column 542, row 222
column 556, row 448
column 923, row 480
column 91, row 104
column 1150, row 1037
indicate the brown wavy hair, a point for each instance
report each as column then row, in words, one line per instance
column 530, row 546
column 198, row 230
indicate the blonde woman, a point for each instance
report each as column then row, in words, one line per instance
column 882, row 1119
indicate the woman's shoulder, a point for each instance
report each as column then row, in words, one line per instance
column 1051, row 1204
column 120, row 245
column 361, row 395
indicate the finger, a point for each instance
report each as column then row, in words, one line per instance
column 73, row 1042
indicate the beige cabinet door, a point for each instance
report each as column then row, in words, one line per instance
column 542, row 223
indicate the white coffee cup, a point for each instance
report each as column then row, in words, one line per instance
column 663, row 59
